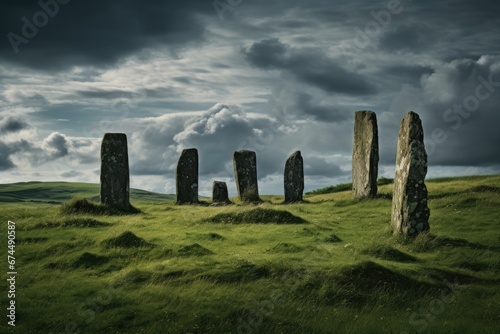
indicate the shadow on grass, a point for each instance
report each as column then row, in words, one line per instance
column 83, row 206
column 257, row 216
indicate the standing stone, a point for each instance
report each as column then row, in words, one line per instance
column 245, row 173
column 219, row 193
column 115, row 171
column 410, row 214
column 365, row 155
column 294, row 178
column 187, row 177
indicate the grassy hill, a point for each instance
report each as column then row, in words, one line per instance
column 330, row 265
column 57, row 192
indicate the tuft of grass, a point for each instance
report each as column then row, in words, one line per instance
column 83, row 206
column 126, row 240
column 257, row 216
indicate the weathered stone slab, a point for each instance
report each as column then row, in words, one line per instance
column 115, row 179
column 187, row 177
column 219, row 193
column 245, row 173
column 365, row 155
column 294, row 178
column 410, row 214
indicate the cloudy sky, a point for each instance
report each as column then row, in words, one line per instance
column 224, row 75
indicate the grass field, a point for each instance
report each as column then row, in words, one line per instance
column 330, row 265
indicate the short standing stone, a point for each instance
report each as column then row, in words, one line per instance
column 187, row 177
column 115, row 177
column 365, row 155
column 410, row 214
column 219, row 193
column 245, row 172
column 294, row 178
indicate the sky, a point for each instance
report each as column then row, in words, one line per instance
column 225, row 75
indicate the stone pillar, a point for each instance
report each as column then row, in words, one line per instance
column 245, row 172
column 115, row 179
column 365, row 155
column 219, row 193
column 294, row 178
column 187, row 177
column 410, row 214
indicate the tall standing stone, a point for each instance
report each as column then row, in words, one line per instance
column 245, row 173
column 410, row 214
column 294, row 178
column 187, row 177
column 115, row 177
column 219, row 193
column 365, row 155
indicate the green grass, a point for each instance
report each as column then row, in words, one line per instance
column 328, row 265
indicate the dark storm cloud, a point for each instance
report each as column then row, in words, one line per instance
column 409, row 73
column 306, row 104
column 5, row 161
column 11, row 124
column 308, row 65
column 104, row 94
column 314, row 166
column 7, row 150
column 458, row 104
column 405, row 37
column 94, row 32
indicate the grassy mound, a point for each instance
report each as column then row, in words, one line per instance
column 89, row 260
column 126, row 240
column 285, row 247
column 389, row 253
column 194, row 250
column 242, row 272
column 332, row 238
column 83, row 206
column 257, row 216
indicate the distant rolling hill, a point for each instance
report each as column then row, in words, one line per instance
column 58, row 192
